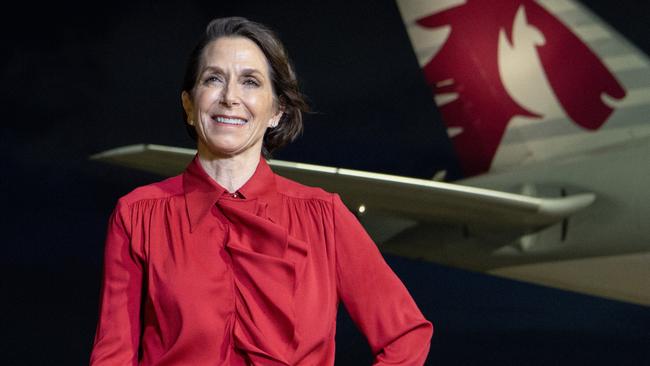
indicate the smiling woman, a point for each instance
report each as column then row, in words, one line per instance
column 270, row 62
column 231, row 264
column 232, row 104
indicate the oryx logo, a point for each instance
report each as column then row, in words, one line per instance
column 481, row 64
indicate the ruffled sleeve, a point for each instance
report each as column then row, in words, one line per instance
column 266, row 264
column 376, row 299
column 117, row 337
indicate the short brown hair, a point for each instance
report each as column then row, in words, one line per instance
column 283, row 78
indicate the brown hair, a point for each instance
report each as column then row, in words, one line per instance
column 283, row 78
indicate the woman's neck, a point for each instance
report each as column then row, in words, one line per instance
column 231, row 172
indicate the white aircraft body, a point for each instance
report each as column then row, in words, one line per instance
column 556, row 193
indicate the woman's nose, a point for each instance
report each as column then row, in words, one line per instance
column 229, row 94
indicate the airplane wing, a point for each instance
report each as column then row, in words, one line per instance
column 417, row 199
column 437, row 212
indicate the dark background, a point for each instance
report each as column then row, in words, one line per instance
column 80, row 78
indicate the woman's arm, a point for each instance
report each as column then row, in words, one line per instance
column 117, row 337
column 375, row 297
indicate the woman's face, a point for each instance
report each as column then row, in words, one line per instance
column 233, row 102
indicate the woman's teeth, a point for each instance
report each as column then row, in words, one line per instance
column 230, row 121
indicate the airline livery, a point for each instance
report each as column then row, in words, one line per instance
column 547, row 109
column 500, row 61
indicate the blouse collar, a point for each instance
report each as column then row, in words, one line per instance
column 202, row 192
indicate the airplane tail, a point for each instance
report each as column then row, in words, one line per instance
column 522, row 81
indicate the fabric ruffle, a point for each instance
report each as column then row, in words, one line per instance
column 266, row 274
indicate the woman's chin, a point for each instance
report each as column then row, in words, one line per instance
column 222, row 149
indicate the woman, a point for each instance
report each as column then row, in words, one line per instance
column 230, row 264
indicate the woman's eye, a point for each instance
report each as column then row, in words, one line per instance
column 251, row 82
column 212, row 79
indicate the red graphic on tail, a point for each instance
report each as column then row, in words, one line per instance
column 483, row 109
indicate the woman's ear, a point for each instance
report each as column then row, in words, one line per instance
column 188, row 107
column 273, row 122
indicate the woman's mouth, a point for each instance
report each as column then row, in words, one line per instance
column 230, row 120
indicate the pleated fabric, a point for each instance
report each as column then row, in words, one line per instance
column 195, row 276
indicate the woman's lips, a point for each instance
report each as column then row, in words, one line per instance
column 229, row 120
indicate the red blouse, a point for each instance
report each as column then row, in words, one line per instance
column 195, row 276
